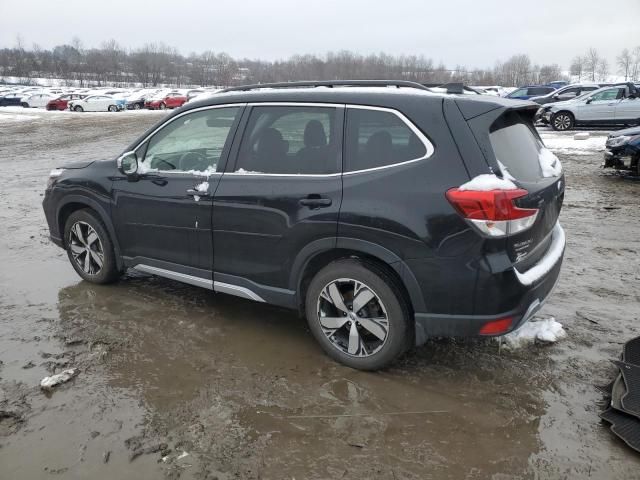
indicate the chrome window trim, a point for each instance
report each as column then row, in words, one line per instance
column 430, row 149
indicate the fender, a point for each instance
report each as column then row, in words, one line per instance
column 325, row 244
column 104, row 216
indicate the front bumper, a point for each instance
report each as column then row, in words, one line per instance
column 537, row 285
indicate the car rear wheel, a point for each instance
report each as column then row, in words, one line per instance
column 78, row 108
column 89, row 247
column 358, row 314
column 113, row 108
column 562, row 121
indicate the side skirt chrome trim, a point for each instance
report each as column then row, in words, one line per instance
column 237, row 291
column 180, row 277
column 220, row 287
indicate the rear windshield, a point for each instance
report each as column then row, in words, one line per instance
column 517, row 146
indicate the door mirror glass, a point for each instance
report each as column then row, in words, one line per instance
column 128, row 163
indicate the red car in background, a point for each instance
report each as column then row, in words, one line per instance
column 171, row 100
column 62, row 102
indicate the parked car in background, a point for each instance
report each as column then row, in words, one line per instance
column 36, row 100
column 62, row 102
column 96, row 103
column 525, row 93
column 11, row 99
column 171, row 100
column 194, row 93
column 558, row 84
column 623, row 150
column 136, row 100
column 607, row 106
column 568, row 92
column 354, row 206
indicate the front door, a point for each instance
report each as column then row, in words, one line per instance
column 601, row 106
column 163, row 216
column 281, row 194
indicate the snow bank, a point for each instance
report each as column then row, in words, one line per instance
column 487, row 182
column 547, row 331
column 549, row 163
column 7, row 118
column 561, row 142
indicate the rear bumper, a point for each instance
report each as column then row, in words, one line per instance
column 537, row 284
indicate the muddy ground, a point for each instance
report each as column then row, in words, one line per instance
column 175, row 381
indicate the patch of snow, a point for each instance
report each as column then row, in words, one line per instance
column 567, row 144
column 487, row 182
column 549, row 163
column 48, row 383
column 581, row 136
column 505, row 172
column 544, row 266
column 548, row 331
column 182, row 455
column 203, row 187
column 242, row 170
column 5, row 117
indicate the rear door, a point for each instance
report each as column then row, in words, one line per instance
column 281, row 194
column 628, row 109
column 163, row 217
column 520, row 154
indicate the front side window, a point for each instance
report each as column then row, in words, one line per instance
column 290, row 140
column 378, row 138
column 192, row 142
column 521, row 92
column 606, row 95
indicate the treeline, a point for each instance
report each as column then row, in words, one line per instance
column 159, row 64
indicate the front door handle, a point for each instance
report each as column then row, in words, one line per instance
column 196, row 193
column 315, row 201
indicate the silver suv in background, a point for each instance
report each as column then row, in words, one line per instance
column 607, row 106
column 569, row 92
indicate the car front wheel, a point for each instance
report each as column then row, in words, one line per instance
column 562, row 121
column 78, row 108
column 358, row 314
column 89, row 247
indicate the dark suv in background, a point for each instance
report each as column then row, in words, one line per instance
column 379, row 210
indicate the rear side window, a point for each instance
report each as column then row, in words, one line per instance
column 378, row 138
column 290, row 140
column 517, row 146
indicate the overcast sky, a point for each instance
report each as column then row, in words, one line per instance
column 465, row 32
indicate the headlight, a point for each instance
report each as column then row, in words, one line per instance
column 53, row 176
column 618, row 141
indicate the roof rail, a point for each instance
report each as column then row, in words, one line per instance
column 329, row 84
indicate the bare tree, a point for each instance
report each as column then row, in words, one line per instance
column 625, row 61
column 578, row 66
column 603, row 70
column 635, row 67
column 592, row 62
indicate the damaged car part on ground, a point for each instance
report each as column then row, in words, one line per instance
column 311, row 204
column 623, row 397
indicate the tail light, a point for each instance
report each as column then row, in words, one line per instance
column 493, row 212
column 496, row 327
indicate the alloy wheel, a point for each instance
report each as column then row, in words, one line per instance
column 353, row 317
column 562, row 122
column 86, row 248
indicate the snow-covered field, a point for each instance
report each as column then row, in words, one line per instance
column 20, row 114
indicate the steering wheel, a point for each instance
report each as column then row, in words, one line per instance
column 192, row 160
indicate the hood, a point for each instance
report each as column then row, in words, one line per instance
column 77, row 165
column 627, row 131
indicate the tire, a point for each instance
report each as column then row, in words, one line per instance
column 78, row 108
column 112, row 108
column 375, row 344
column 162, row 106
column 136, row 106
column 25, row 105
column 562, row 121
column 79, row 229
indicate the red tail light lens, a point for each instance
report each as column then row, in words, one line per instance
column 493, row 212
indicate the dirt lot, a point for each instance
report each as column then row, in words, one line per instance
column 177, row 382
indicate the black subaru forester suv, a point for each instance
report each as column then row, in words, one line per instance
column 383, row 212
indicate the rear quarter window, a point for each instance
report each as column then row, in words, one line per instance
column 377, row 138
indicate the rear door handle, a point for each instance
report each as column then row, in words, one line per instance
column 315, row 201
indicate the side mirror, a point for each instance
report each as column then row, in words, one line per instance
column 128, row 163
column 556, row 96
column 589, row 100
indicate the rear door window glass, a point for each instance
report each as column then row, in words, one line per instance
column 290, row 140
column 378, row 138
column 517, row 147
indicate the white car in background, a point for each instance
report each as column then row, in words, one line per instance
column 96, row 103
column 36, row 100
